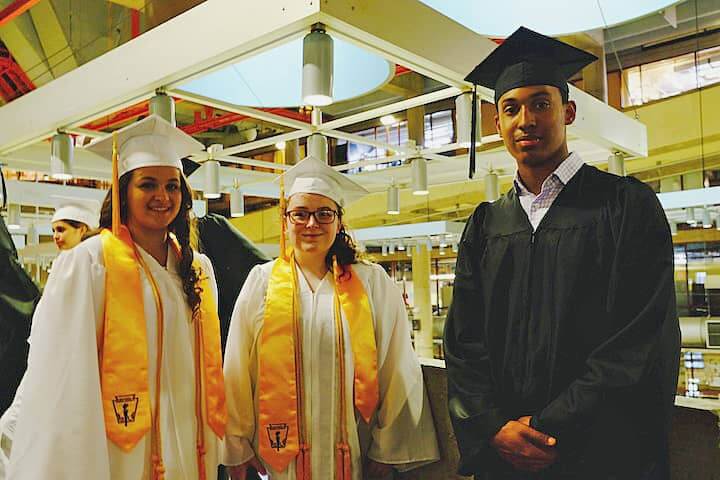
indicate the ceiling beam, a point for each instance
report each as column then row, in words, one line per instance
column 391, row 108
column 229, row 29
column 15, row 9
column 58, row 52
column 249, row 111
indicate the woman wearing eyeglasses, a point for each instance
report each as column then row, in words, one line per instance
column 321, row 378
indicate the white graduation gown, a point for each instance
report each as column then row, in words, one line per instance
column 402, row 431
column 60, row 432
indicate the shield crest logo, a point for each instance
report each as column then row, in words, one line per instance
column 277, row 434
column 125, row 407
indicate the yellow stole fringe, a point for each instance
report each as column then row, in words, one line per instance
column 281, row 435
column 124, row 354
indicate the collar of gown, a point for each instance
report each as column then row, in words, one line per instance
column 172, row 261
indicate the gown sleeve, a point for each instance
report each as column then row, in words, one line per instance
column 240, row 369
column 404, row 433
column 60, row 430
column 473, row 402
column 641, row 307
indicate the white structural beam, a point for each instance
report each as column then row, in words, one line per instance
column 451, row 53
column 221, row 30
column 391, row 108
column 697, row 197
column 265, row 142
column 42, row 194
column 603, row 125
column 353, row 138
column 412, row 230
column 249, row 111
column 251, row 162
column 411, row 34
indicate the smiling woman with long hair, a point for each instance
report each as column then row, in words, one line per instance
column 322, row 379
column 124, row 375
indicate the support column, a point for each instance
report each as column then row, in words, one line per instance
column 416, row 115
column 292, row 152
column 422, row 305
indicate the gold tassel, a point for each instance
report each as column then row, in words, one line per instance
column 115, row 188
column 343, row 470
column 283, row 228
column 302, row 463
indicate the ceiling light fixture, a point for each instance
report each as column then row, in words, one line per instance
column 418, row 168
column 463, row 118
column 388, row 120
column 237, row 201
column 616, row 164
column 163, row 106
column 212, row 173
column 317, row 72
column 393, row 199
column 61, row 156
column 492, row 187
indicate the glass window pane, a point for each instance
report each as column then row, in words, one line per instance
column 668, row 77
column 708, row 66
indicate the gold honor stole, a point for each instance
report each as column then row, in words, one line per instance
column 124, row 354
column 280, row 412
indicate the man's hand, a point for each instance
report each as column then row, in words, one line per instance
column 239, row 472
column 523, row 447
column 375, row 469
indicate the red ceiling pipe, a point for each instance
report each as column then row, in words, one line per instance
column 200, row 125
column 400, row 70
column 134, row 22
column 15, row 9
column 14, row 82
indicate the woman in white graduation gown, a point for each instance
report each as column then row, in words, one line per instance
column 124, row 379
column 72, row 220
column 321, row 378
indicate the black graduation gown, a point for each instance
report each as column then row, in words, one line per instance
column 574, row 324
column 18, row 297
column 232, row 256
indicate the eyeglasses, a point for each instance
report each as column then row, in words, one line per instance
column 323, row 216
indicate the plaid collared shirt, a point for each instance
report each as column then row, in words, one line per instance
column 536, row 206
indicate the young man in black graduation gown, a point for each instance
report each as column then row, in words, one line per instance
column 562, row 341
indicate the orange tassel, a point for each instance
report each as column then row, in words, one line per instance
column 202, row 475
column 302, row 463
column 115, row 187
column 343, row 462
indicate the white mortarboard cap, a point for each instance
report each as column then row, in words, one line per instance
column 151, row 142
column 311, row 175
column 81, row 210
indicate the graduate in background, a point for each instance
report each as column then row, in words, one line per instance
column 124, row 377
column 322, row 381
column 73, row 219
column 562, row 341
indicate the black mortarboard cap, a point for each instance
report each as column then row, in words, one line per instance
column 189, row 166
column 527, row 58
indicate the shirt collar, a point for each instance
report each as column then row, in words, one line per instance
column 564, row 173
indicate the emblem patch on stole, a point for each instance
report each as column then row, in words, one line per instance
column 125, row 407
column 277, row 434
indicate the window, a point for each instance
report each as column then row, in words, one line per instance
column 394, row 135
column 438, row 129
column 673, row 76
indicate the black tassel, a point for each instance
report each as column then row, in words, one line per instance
column 473, row 129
